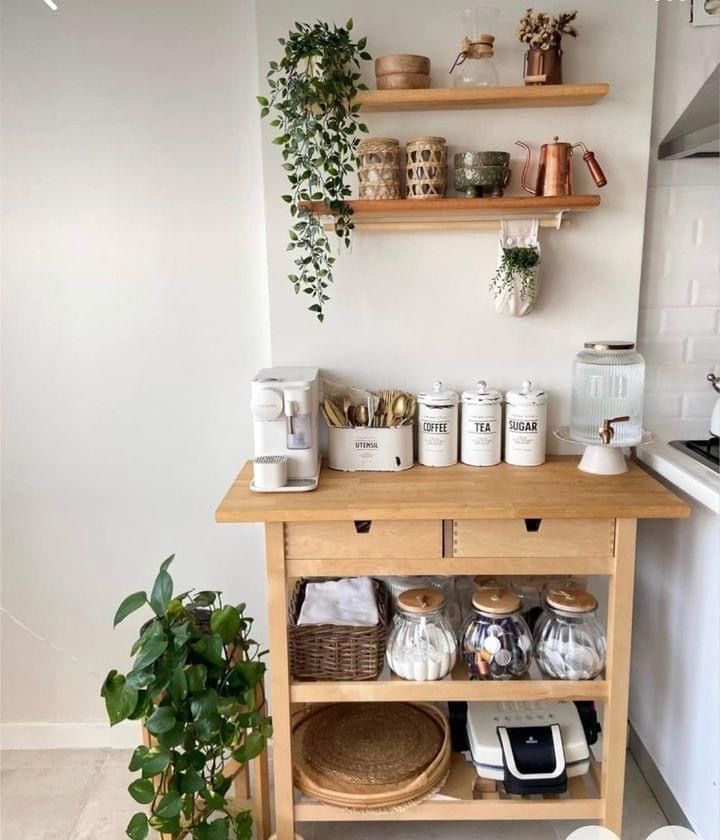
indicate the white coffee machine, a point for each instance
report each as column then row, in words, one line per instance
column 285, row 404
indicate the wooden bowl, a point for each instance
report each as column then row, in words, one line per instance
column 403, row 81
column 390, row 64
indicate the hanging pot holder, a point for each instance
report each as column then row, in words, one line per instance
column 516, row 298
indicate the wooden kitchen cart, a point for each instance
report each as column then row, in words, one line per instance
column 458, row 521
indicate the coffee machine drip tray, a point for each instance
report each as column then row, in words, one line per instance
column 294, row 485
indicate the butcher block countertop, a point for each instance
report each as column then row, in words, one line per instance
column 555, row 490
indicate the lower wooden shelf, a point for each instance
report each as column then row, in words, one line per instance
column 455, row 802
column 458, row 687
column 456, row 213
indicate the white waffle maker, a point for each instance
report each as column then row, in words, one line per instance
column 484, row 719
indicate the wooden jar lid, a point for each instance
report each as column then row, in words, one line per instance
column 496, row 601
column 420, row 600
column 488, row 582
column 571, row 600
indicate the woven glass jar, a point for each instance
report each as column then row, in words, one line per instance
column 426, row 167
column 378, row 160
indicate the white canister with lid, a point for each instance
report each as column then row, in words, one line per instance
column 526, row 426
column 438, row 427
column 480, row 442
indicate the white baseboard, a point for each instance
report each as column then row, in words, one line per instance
column 70, row 735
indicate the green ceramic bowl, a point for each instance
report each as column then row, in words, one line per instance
column 479, row 181
column 482, row 159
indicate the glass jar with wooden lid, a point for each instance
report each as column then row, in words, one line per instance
column 496, row 642
column 570, row 639
column 421, row 644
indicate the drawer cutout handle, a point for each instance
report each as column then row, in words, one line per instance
column 532, row 526
column 362, row 526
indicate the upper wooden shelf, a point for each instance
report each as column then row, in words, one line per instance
column 456, row 213
column 555, row 490
column 456, row 99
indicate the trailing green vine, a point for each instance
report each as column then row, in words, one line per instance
column 196, row 682
column 312, row 89
column 516, row 264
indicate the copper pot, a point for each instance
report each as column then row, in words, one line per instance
column 554, row 175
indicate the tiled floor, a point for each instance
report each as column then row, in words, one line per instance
column 82, row 795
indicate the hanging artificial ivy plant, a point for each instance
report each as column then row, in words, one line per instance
column 312, row 89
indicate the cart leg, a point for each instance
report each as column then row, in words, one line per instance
column 620, row 605
column 261, row 787
column 280, row 681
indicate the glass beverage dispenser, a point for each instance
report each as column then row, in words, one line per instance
column 606, row 412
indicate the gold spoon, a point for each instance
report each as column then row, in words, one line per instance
column 361, row 415
column 398, row 408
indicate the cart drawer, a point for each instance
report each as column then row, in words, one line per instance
column 533, row 537
column 363, row 539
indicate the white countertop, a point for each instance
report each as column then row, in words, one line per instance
column 685, row 473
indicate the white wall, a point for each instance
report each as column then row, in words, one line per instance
column 409, row 308
column 135, row 313
column 680, row 295
column 675, row 683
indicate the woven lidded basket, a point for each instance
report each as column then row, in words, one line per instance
column 333, row 651
column 426, row 167
column 379, row 168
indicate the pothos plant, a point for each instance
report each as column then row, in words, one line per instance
column 517, row 264
column 312, row 89
column 196, row 681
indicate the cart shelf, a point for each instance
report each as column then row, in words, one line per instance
column 458, row 687
column 581, row 802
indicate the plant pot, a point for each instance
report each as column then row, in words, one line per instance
column 513, row 297
column 543, row 67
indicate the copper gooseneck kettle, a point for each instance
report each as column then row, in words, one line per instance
column 554, row 175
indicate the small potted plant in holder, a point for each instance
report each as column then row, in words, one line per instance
column 196, row 682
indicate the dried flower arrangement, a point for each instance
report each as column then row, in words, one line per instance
column 543, row 31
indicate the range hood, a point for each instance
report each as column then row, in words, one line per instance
column 697, row 131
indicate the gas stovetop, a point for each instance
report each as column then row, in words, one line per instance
column 707, row 452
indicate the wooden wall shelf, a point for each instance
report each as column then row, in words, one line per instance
column 457, row 213
column 456, row 99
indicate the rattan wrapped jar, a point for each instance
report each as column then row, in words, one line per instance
column 379, row 168
column 426, row 167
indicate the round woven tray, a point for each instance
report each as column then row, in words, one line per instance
column 332, row 789
column 371, row 743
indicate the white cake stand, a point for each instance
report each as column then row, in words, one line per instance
column 599, row 458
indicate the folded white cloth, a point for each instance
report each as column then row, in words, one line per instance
column 350, row 601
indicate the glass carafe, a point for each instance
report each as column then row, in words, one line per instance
column 570, row 640
column 477, row 67
column 608, row 382
column 421, row 644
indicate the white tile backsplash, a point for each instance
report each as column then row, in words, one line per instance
column 679, row 320
column 687, row 320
